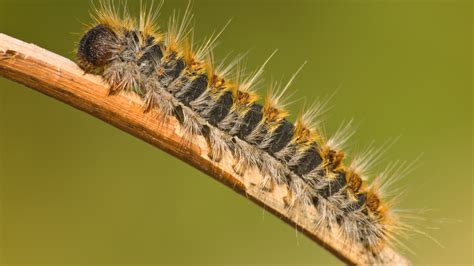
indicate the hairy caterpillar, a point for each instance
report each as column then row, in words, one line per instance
column 220, row 103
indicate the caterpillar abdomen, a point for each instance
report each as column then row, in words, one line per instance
column 175, row 80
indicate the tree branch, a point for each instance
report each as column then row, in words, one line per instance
column 60, row 78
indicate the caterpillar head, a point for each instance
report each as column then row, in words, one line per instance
column 96, row 48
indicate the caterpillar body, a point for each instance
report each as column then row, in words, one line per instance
column 220, row 103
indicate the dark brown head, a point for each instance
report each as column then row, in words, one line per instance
column 96, row 47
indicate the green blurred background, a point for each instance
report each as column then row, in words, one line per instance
column 75, row 190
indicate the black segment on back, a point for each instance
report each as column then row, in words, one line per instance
column 354, row 206
column 309, row 161
column 251, row 119
column 281, row 137
column 192, row 90
column 172, row 68
column 150, row 59
column 334, row 185
column 221, row 108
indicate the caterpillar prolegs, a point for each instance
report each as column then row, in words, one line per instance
column 219, row 102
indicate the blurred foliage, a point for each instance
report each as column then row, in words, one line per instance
column 75, row 190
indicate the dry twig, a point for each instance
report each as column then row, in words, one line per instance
column 60, row 78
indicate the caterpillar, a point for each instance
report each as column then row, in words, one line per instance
column 219, row 102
